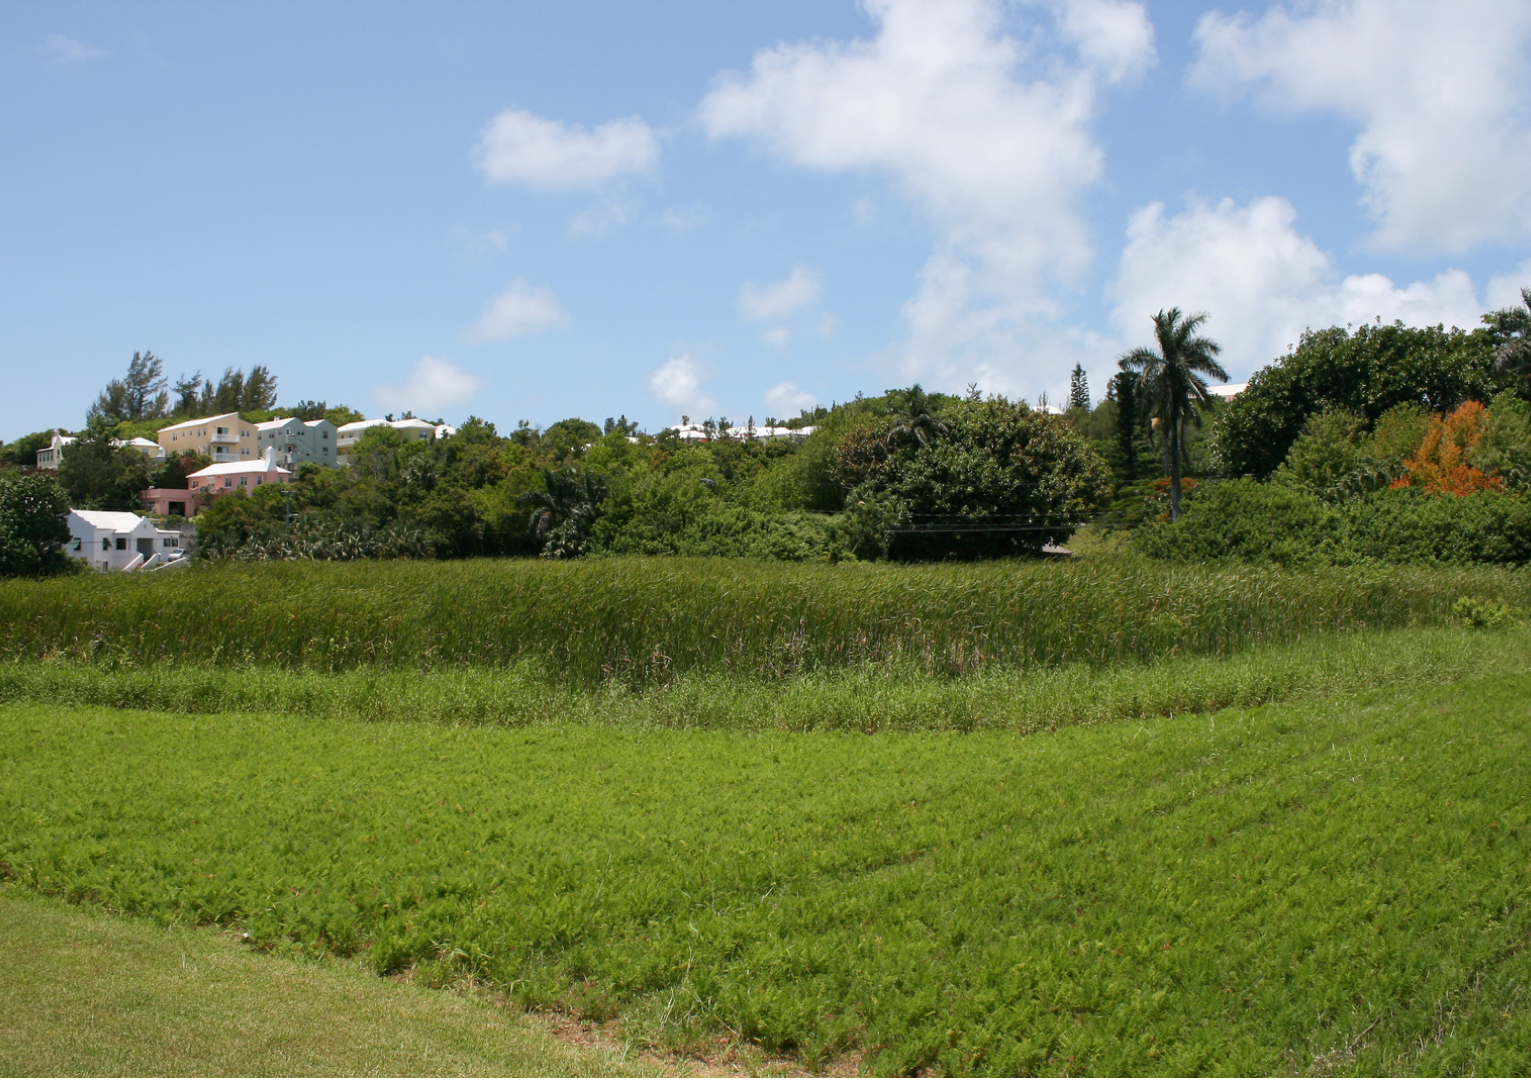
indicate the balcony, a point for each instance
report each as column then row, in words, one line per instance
column 225, row 438
column 221, row 456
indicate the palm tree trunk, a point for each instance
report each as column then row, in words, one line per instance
column 1174, row 434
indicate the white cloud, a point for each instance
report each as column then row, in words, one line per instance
column 1438, row 90
column 679, row 383
column 766, row 302
column 786, row 400
column 519, row 147
column 69, row 51
column 683, row 221
column 1117, row 39
column 518, row 310
column 987, row 135
column 1261, row 281
column 1503, row 290
column 778, row 336
column 600, row 218
column 434, row 384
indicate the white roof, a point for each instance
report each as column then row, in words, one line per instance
column 269, row 424
column 136, row 441
column 199, row 422
column 115, row 520
column 359, row 425
column 1229, row 390
column 398, row 425
column 233, row 468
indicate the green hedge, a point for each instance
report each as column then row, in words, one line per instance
column 1255, row 522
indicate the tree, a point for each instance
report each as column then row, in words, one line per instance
column 563, row 511
column 139, row 396
column 912, row 412
column 1368, row 370
column 1129, row 421
column 1512, row 327
column 23, row 452
column 1174, row 390
column 1002, row 480
column 1079, row 389
column 99, row 475
column 34, row 513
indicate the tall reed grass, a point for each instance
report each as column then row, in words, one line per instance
column 645, row 621
column 865, row 699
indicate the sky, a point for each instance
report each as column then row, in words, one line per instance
column 524, row 210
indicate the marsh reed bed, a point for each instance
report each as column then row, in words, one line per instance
column 645, row 622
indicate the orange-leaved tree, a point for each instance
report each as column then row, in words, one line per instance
column 1442, row 464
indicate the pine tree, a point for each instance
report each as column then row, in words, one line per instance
column 1079, row 389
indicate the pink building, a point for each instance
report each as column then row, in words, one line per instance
column 230, row 476
column 169, row 502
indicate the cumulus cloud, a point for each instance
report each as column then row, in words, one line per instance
column 519, row 147
column 679, row 383
column 519, row 310
column 1503, row 290
column 1438, row 91
column 987, row 135
column 764, row 303
column 66, row 50
column 434, row 384
column 1261, row 281
column 786, row 399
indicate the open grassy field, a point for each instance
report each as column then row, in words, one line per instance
column 646, row 621
column 1334, row 886
column 90, row 994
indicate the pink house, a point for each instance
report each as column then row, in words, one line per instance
column 166, row 502
column 230, row 476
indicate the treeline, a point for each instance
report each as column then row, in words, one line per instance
column 904, row 475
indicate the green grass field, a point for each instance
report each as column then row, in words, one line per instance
column 89, row 994
column 1335, row 885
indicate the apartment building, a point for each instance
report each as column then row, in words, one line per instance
column 296, row 441
column 224, row 438
column 347, row 434
column 52, row 455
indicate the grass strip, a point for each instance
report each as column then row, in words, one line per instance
column 870, row 698
column 646, row 621
column 89, row 994
column 1336, row 887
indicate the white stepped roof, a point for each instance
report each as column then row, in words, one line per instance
column 115, row 520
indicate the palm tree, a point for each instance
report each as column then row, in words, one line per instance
column 1173, row 390
column 563, row 511
column 1513, row 328
column 911, row 416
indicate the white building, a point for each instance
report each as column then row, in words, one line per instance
column 347, row 434
column 120, row 540
column 296, row 441
column 52, row 455
column 1228, row 391
column 689, row 432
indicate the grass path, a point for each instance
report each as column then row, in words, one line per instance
column 86, row 993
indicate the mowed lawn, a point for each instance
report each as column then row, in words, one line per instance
column 1332, row 887
column 90, row 994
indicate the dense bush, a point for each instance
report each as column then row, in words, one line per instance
column 1245, row 519
column 998, row 479
column 1367, row 371
column 324, row 541
column 33, row 531
column 1272, row 523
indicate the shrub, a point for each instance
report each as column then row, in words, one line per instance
column 1407, row 525
column 1244, row 519
column 33, row 531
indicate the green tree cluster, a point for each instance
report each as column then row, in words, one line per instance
column 33, row 529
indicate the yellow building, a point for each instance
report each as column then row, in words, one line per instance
column 223, row 438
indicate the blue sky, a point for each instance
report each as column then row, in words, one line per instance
column 531, row 210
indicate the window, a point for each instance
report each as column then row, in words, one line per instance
column 228, row 481
column 106, row 543
column 122, row 543
column 257, row 481
column 223, row 431
column 244, row 481
column 326, row 434
column 168, row 541
column 76, row 545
